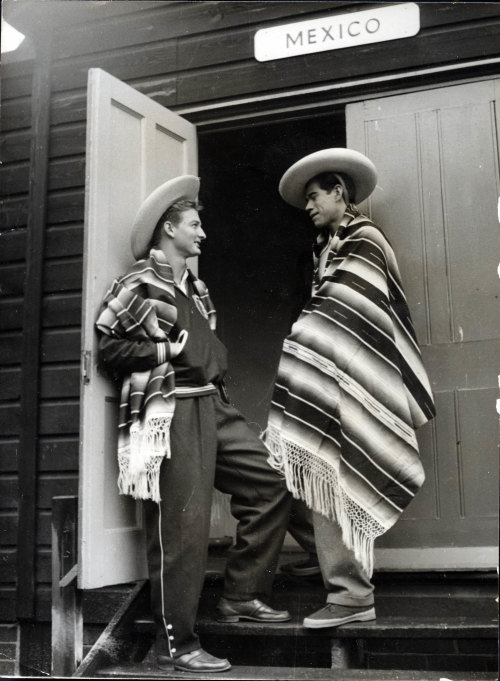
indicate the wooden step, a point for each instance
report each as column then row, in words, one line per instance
column 382, row 627
column 240, row 673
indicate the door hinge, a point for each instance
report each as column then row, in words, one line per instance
column 86, row 359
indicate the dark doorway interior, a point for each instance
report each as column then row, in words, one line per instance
column 257, row 257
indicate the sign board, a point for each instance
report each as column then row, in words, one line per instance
column 337, row 31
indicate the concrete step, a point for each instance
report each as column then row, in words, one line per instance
column 248, row 673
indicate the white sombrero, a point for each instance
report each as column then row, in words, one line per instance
column 337, row 160
column 153, row 207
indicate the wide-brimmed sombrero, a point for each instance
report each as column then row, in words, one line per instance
column 338, row 160
column 153, row 207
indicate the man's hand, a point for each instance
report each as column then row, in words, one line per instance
column 177, row 347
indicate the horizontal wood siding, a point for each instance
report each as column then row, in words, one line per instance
column 181, row 54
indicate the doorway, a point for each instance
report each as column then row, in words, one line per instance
column 257, row 258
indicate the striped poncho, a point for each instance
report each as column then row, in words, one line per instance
column 141, row 306
column 350, row 391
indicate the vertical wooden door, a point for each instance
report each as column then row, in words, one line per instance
column 437, row 153
column 133, row 145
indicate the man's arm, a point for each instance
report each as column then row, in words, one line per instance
column 126, row 356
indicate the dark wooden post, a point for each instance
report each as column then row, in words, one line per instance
column 67, row 620
column 28, row 440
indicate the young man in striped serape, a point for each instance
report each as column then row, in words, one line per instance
column 351, row 387
column 179, row 435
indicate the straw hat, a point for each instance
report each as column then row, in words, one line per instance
column 152, row 208
column 338, row 160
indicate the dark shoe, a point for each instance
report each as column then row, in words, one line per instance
column 333, row 614
column 200, row 661
column 304, row 568
column 257, row 611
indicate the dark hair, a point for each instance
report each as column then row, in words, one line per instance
column 329, row 180
column 173, row 214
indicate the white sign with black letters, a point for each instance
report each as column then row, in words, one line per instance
column 337, row 31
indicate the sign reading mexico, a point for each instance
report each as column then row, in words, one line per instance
column 338, row 31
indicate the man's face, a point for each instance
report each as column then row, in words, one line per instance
column 188, row 234
column 323, row 207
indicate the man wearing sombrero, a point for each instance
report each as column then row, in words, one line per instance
column 351, row 387
column 179, row 436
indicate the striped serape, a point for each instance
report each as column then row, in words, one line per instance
column 350, row 391
column 141, row 306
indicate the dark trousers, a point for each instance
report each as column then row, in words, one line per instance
column 211, row 445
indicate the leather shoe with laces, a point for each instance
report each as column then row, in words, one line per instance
column 195, row 661
column 255, row 610
column 333, row 614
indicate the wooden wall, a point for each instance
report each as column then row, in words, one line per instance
column 183, row 55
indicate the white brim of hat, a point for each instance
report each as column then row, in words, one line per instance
column 152, row 208
column 338, row 160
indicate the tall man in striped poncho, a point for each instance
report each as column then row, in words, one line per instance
column 179, row 435
column 351, row 387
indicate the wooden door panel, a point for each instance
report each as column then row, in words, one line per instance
column 133, row 145
column 436, row 198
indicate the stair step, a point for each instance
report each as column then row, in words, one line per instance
column 383, row 627
column 237, row 673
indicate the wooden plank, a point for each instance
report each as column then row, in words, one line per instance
column 179, row 19
column 59, row 453
column 63, row 275
column 59, row 275
column 60, row 345
column 14, row 213
column 16, row 113
column 251, row 77
column 13, row 246
column 62, row 309
column 66, row 206
column 15, row 84
column 13, row 279
column 8, row 603
column 58, row 418
column 65, row 240
column 11, row 313
column 8, row 461
column 15, row 146
column 61, row 240
column 68, row 140
column 67, row 620
column 55, row 485
column 72, row 107
column 8, row 492
column 8, row 560
column 10, row 419
column 14, row 178
column 10, row 383
column 126, row 64
column 8, row 527
column 219, row 18
column 60, row 381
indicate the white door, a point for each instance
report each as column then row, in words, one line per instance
column 133, row 145
column 437, row 153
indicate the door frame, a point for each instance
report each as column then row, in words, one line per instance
column 297, row 104
column 304, row 102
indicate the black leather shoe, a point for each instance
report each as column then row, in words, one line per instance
column 257, row 611
column 200, row 661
